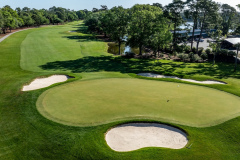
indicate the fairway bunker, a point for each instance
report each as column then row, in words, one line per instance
column 45, row 82
column 133, row 136
column 152, row 75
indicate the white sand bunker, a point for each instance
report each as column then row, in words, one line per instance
column 44, row 82
column 133, row 136
column 152, row 75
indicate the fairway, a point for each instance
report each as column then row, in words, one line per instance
column 51, row 44
column 84, row 103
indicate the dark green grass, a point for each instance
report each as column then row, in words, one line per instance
column 25, row 134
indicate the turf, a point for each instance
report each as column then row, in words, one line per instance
column 86, row 103
column 25, row 134
column 50, row 44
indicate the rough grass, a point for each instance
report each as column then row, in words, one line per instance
column 25, row 134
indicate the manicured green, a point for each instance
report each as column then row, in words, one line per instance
column 53, row 44
column 26, row 134
column 86, row 103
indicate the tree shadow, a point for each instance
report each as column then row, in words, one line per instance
column 81, row 38
column 125, row 65
column 100, row 63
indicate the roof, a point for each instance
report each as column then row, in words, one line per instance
column 233, row 40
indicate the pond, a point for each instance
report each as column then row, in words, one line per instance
column 113, row 48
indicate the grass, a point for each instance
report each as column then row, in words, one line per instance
column 25, row 134
column 51, row 44
column 87, row 103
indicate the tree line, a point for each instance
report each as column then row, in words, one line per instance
column 26, row 17
column 156, row 26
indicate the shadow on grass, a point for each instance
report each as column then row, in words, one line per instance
column 81, row 38
column 85, row 34
column 124, row 65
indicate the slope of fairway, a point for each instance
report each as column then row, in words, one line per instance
column 100, row 101
column 51, row 44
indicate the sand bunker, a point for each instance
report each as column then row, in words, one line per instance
column 44, row 82
column 174, row 77
column 133, row 136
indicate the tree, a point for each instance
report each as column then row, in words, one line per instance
column 237, row 31
column 208, row 11
column 103, row 8
column 81, row 14
column 141, row 24
column 1, row 21
column 173, row 12
column 227, row 13
column 94, row 10
column 192, row 13
column 161, row 36
column 217, row 38
column 158, row 5
column 92, row 21
column 118, row 24
column 236, row 58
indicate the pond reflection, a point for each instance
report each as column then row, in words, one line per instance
column 113, row 48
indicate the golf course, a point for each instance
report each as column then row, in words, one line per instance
column 70, row 119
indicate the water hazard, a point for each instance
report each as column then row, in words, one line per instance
column 114, row 49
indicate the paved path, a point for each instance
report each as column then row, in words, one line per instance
column 4, row 37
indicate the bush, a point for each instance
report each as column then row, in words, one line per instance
column 182, row 56
column 190, row 55
column 168, row 49
column 223, row 52
column 231, row 53
column 129, row 54
column 208, row 51
column 179, row 49
column 196, row 58
column 204, row 56
column 194, row 50
column 200, row 50
column 187, row 49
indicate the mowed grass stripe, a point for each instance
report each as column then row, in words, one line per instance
column 94, row 102
column 51, row 44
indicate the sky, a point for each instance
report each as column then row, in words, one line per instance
column 89, row 4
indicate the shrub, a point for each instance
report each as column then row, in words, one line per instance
column 179, row 48
column 200, row 50
column 187, row 49
column 194, row 50
column 191, row 55
column 182, row 56
column 129, row 54
column 208, row 51
column 204, row 56
column 196, row 58
column 223, row 52
column 231, row 53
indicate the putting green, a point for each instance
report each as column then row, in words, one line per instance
column 92, row 102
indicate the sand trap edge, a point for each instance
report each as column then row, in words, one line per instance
column 153, row 75
column 160, row 136
column 39, row 83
